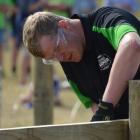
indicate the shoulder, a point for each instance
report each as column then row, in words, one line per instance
column 131, row 40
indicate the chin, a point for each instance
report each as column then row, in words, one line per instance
column 77, row 60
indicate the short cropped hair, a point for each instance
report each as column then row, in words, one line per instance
column 37, row 25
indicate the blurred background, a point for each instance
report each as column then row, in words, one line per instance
column 17, row 65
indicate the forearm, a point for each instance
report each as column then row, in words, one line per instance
column 124, row 68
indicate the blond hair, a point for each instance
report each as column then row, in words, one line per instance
column 37, row 25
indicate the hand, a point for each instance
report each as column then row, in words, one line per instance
column 104, row 112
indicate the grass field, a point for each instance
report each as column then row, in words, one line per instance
column 11, row 92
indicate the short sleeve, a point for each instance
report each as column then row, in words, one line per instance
column 115, row 34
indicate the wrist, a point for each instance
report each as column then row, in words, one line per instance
column 104, row 112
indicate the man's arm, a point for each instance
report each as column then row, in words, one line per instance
column 124, row 68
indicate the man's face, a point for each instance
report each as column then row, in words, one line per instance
column 63, row 47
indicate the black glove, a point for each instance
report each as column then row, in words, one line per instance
column 104, row 112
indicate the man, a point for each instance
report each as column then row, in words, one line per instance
column 99, row 54
column 5, row 7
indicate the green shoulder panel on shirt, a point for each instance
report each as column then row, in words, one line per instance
column 85, row 100
column 114, row 34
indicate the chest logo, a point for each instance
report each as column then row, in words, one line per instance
column 104, row 61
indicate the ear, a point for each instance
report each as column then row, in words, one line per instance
column 63, row 24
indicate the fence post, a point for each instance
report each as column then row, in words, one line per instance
column 1, row 93
column 134, row 109
column 43, row 93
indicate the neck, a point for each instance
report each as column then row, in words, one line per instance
column 79, row 30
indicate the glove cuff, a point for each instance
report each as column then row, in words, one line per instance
column 106, row 106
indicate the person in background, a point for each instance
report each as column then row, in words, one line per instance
column 14, row 36
column 17, row 20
